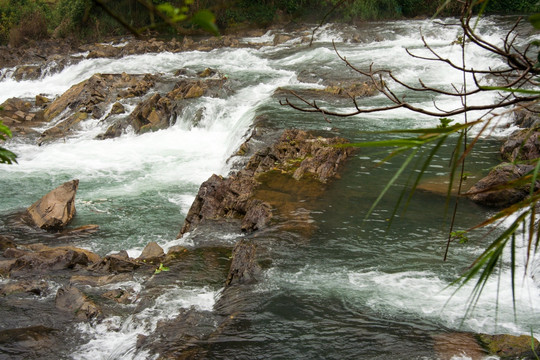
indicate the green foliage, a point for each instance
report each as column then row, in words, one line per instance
column 22, row 15
column 512, row 6
column 160, row 269
column 6, row 156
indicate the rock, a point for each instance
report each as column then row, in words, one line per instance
column 35, row 287
column 244, row 269
column 281, row 38
column 6, row 266
column 92, row 96
column 73, row 301
column 100, row 280
column 20, row 116
column 526, row 119
column 26, row 343
column 27, row 72
column 121, row 296
column 81, row 231
column 13, row 253
column 154, row 113
column 297, row 154
column 152, row 253
column 258, row 214
column 521, row 146
column 509, row 346
column 207, row 73
column 41, row 100
column 117, row 108
column 450, row 346
column 103, row 51
column 55, row 210
column 116, row 264
column 494, row 191
column 48, row 259
column 6, row 243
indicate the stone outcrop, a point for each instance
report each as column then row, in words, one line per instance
column 54, row 211
column 297, row 154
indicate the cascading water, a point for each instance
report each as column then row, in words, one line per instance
column 354, row 289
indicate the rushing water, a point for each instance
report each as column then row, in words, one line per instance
column 354, row 288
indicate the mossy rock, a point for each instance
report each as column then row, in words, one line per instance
column 509, row 346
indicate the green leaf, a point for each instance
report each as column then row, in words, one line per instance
column 7, row 157
column 206, row 20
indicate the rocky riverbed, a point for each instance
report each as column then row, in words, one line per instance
column 50, row 285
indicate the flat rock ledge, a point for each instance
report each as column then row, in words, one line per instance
column 297, row 155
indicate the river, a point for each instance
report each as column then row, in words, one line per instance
column 353, row 288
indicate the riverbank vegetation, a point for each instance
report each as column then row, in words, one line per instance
column 23, row 21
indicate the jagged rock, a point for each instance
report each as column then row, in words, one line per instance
column 154, row 113
column 244, row 269
column 92, row 97
column 494, row 191
column 56, row 209
column 116, row 264
column 522, row 145
column 73, row 301
column 152, row 253
column 526, row 119
column 20, row 116
column 297, row 154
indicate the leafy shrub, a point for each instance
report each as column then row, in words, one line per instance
column 33, row 26
column 30, row 17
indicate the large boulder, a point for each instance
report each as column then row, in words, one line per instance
column 54, row 211
column 498, row 189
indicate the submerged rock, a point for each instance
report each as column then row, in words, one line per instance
column 54, row 211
